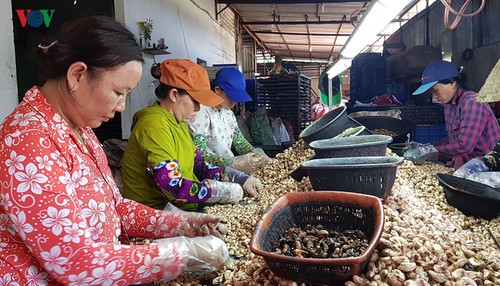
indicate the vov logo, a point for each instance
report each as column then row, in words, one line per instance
column 35, row 18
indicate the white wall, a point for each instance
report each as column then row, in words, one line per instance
column 188, row 27
column 8, row 78
column 190, row 31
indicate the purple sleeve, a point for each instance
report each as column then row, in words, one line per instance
column 204, row 170
column 168, row 177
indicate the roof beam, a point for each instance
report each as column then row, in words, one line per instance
column 335, row 22
column 299, row 44
column 302, row 34
column 301, row 52
column 286, row 1
column 335, row 41
column 255, row 38
column 281, row 35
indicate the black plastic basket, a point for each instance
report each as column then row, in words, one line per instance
column 330, row 125
column 357, row 146
column 471, row 198
column 333, row 210
column 398, row 148
column 367, row 175
column 400, row 127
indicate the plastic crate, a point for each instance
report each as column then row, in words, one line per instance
column 426, row 115
column 366, row 175
column 333, row 210
column 428, row 133
column 367, row 77
column 398, row 90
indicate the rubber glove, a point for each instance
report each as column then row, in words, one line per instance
column 264, row 158
column 201, row 254
column 194, row 223
column 472, row 166
column 421, row 152
column 250, row 162
column 252, row 185
column 224, row 192
column 491, row 179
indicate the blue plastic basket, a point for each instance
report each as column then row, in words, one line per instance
column 428, row 133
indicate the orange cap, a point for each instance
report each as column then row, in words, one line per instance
column 191, row 77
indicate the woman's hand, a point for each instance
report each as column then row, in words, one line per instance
column 201, row 255
column 196, row 224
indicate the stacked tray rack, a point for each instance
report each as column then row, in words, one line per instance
column 287, row 96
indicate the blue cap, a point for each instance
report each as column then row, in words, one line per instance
column 435, row 72
column 232, row 82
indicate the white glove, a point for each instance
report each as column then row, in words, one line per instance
column 491, row 179
column 253, row 186
column 201, row 254
column 224, row 192
column 472, row 166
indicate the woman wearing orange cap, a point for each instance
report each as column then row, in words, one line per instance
column 161, row 163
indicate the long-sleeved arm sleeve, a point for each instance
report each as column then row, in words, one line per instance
column 168, row 176
column 240, row 143
column 139, row 220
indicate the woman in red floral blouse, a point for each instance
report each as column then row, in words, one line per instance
column 61, row 214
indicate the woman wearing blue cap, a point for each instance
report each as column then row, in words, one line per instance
column 472, row 127
column 215, row 131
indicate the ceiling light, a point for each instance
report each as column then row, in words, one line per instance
column 377, row 16
column 337, row 68
column 307, row 60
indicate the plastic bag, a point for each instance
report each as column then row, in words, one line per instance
column 472, row 166
column 421, row 152
column 491, row 179
column 279, row 131
column 245, row 130
column 261, row 128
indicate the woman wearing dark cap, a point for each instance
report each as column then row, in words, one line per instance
column 215, row 131
column 160, row 142
column 61, row 213
column 485, row 169
column 472, row 127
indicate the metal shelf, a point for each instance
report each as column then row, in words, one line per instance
column 155, row 52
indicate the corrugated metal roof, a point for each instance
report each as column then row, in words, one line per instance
column 307, row 31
